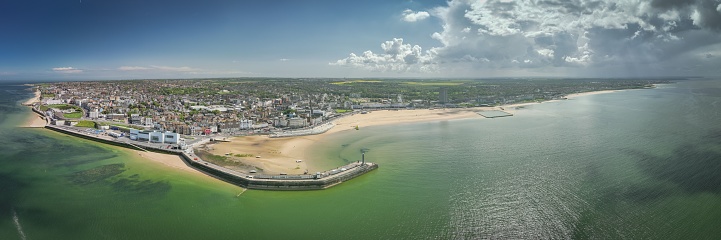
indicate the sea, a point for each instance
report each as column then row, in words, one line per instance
column 633, row 164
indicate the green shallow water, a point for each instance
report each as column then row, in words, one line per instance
column 632, row 164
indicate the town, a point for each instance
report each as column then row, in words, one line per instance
column 243, row 106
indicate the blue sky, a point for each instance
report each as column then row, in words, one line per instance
column 97, row 39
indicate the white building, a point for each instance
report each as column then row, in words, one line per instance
column 54, row 101
column 297, row 122
column 154, row 136
column 171, row 137
column 246, row 124
column 94, row 114
column 149, row 121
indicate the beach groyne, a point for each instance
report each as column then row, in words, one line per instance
column 316, row 181
column 303, row 132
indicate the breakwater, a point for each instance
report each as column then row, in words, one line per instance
column 280, row 182
column 316, row 181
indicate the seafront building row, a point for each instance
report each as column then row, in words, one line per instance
column 260, row 106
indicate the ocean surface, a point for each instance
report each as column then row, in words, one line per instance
column 636, row 164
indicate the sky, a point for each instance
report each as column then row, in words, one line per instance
column 144, row 39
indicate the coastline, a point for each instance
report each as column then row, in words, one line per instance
column 280, row 155
column 33, row 120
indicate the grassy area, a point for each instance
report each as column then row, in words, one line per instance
column 343, row 110
column 48, row 95
column 126, row 127
column 217, row 159
column 73, row 115
column 243, row 155
column 87, row 124
column 64, row 107
column 77, row 114
column 120, row 125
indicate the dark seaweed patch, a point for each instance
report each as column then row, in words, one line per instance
column 9, row 189
column 96, row 174
column 694, row 167
column 145, row 187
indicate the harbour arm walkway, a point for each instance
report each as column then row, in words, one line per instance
column 317, row 181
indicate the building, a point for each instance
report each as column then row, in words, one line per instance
column 135, row 119
column 443, row 95
column 154, row 136
column 297, row 123
column 94, row 114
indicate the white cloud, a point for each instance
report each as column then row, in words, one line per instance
column 396, row 57
column 67, row 70
column 284, row 59
column 411, row 16
column 132, row 68
column 581, row 34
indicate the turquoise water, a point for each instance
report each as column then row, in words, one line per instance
column 631, row 164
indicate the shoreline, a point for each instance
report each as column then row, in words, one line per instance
column 33, row 120
column 280, row 155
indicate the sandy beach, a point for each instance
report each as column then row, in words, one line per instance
column 169, row 160
column 269, row 155
column 33, row 120
column 280, row 155
column 34, row 99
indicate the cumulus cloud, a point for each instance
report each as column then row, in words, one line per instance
column 67, row 70
column 411, row 16
column 497, row 34
column 396, row 57
column 132, row 68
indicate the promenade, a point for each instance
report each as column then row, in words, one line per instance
column 303, row 132
column 316, row 181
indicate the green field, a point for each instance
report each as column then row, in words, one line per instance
column 77, row 114
column 87, row 124
column 73, row 115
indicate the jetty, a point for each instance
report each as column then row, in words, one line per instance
column 494, row 114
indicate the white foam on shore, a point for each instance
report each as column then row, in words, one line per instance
column 16, row 220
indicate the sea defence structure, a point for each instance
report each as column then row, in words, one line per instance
column 303, row 132
column 317, row 181
column 494, row 114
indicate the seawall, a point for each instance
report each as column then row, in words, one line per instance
column 265, row 182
